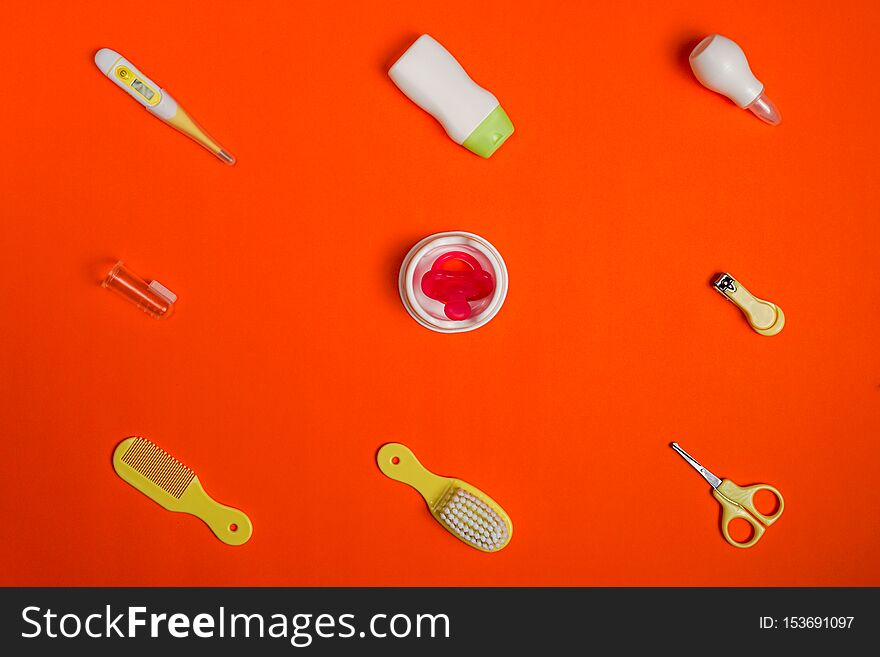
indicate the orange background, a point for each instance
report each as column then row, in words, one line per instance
column 290, row 358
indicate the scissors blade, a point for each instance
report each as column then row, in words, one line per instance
column 714, row 481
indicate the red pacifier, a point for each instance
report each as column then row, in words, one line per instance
column 454, row 279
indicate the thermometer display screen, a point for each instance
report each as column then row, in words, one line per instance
column 143, row 89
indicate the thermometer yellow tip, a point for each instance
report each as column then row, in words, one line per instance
column 226, row 157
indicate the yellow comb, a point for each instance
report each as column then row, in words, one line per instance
column 466, row 511
column 164, row 479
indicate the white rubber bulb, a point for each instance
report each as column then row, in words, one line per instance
column 721, row 65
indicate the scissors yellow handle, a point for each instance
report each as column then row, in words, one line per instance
column 737, row 502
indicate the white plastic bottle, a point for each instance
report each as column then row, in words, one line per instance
column 432, row 78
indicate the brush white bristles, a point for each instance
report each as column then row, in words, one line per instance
column 473, row 521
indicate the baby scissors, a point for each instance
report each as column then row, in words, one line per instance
column 736, row 502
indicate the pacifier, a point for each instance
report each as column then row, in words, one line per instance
column 455, row 279
column 453, row 282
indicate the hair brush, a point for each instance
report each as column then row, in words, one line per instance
column 464, row 510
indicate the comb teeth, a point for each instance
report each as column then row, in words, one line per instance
column 158, row 466
column 474, row 521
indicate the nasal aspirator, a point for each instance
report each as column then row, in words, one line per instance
column 721, row 65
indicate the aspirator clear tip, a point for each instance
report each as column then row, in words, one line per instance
column 764, row 109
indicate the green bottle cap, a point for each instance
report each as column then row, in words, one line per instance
column 490, row 134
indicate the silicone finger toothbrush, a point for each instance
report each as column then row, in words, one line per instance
column 153, row 298
column 721, row 65
column 436, row 82
column 164, row 479
column 156, row 100
column 466, row 511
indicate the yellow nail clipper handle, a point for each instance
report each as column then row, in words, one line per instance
column 230, row 525
column 398, row 462
column 765, row 318
column 738, row 502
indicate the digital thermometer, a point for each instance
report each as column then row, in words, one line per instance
column 155, row 99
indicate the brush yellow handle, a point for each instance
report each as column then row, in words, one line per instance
column 229, row 525
column 738, row 502
column 398, row 462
